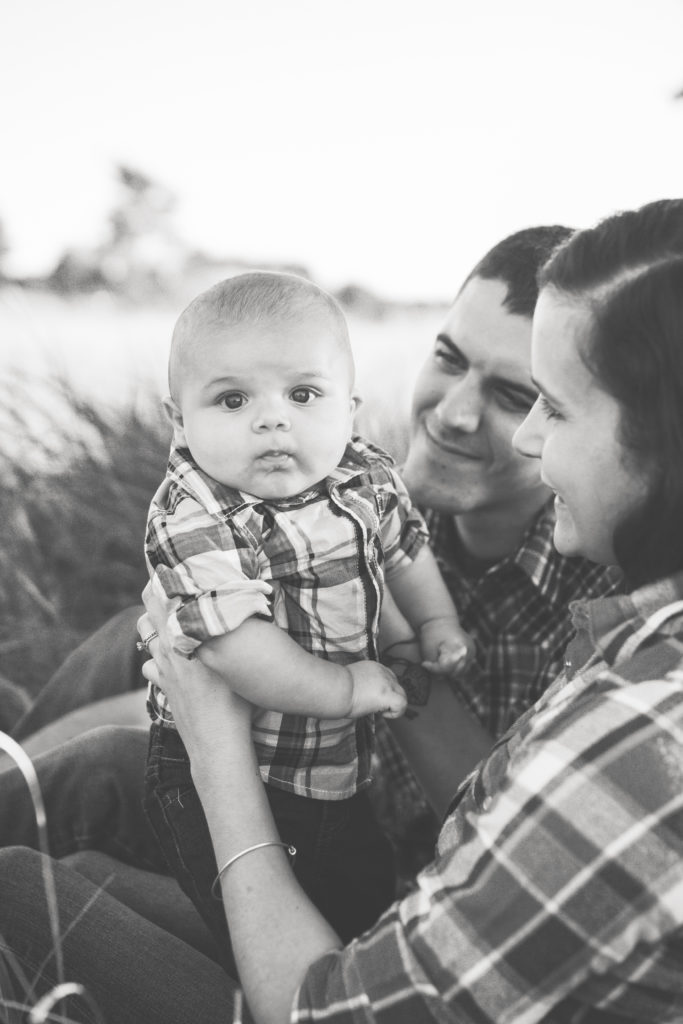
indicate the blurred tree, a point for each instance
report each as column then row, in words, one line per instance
column 142, row 257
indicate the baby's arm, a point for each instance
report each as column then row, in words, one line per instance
column 263, row 664
column 422, row 597
column 206, row 575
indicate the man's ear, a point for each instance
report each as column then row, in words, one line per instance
column 176, row 419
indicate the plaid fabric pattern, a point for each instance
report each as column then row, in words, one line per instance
column 314, row 563
column 516, row 612
column 557, row 890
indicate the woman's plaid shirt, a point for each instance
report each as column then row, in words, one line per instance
column 557, row 890
column 314, row 563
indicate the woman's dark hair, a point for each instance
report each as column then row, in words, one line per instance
column 628, row 270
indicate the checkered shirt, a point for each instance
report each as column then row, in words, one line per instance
column 314, row 563
column 557, row 890
column 517, row 613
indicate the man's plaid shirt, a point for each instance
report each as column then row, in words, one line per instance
column 557, row 890
column 314, row 563
column 517, row 613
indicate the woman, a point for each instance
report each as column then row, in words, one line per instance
column 556, row 893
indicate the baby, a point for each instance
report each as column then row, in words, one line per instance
column 271, row 539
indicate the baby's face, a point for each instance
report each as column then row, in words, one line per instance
column 267, row 408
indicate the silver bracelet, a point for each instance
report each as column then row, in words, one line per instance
column 291, row 850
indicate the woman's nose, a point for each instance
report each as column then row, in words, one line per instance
column 461, row 407
column 528, row 437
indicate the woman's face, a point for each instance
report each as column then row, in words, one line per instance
column 574, row 429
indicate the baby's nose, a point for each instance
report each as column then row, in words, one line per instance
column 271, row 416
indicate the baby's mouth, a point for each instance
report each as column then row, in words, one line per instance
column 275, row 456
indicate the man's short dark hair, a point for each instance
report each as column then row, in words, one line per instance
column 517, row 260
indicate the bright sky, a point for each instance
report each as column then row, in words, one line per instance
column 379, row 141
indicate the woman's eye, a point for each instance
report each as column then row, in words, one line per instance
column 303, row 396
column 233, row 400
column 549, row 411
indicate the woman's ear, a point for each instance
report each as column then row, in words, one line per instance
column 176, row 419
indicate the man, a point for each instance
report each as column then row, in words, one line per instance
column 492, row 524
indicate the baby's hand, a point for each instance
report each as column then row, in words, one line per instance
column 375, row 690
column 446, row 648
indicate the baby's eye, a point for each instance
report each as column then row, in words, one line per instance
column 303, row 396
column 232, row 400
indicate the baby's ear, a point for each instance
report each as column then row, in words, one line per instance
column 176, row 419
column 356, row 402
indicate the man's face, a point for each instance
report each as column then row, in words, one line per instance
column 471, row 395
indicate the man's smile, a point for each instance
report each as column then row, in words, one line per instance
column 436, row 438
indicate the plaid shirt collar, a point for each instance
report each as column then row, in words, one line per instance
column 617, row 627
column 223, row 501
column 533, row 554
column 534, row 557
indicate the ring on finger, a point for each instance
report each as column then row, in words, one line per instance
column 143, row 644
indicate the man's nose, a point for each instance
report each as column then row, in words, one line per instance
column 462, row 406
column 271, row 414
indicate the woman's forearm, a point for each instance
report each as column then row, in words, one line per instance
column 441, row 741
column 276, row 931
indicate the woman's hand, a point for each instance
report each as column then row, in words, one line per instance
column 205, row 709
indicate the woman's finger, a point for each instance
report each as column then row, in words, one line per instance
column 144, row 625
column 150, row 671
column 156, row 605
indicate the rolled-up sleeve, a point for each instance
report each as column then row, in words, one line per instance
column 377, row 979
column 402, row 526
column 206, row 571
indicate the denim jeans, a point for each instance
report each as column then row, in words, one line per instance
column 92, row 789
column 105, row 664
column 344, row 861
column 134, row 970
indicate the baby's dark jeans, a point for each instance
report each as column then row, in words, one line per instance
column 344, row 861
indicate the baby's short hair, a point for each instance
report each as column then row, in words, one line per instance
column 260, row 296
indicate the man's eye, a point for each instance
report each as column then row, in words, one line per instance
column 232, row 400
column 445, row 355
column 303, row 396
column 515, row 401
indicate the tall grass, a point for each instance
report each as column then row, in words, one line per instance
column 17, row 989
column 77, row 481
